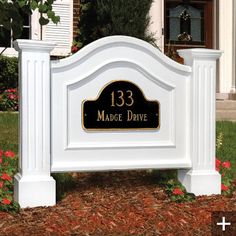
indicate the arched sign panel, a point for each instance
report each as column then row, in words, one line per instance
column 117, row 104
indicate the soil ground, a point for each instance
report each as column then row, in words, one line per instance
column 118, row 203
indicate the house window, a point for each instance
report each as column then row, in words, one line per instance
column 185, row 23
column 188, row 24
column 6, row 39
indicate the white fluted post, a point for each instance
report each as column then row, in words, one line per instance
column 202, row 179
column 33, row 185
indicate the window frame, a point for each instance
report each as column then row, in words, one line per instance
column 208, row 25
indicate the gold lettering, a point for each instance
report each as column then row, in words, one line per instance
column 129, row 115
column 100, row 115
column 107, row 118
column 121, row 101
column 130, row 98
column 113, row 99
column 136, row 116
column 145, row 117
column 121, row 97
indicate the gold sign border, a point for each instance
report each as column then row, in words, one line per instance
column 118, row 129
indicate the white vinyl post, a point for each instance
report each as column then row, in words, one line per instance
column 33, row 185
column 202, row 179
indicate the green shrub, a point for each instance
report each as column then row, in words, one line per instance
column 100, row 18
column 8, row 73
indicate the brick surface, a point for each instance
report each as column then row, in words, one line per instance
column 76, row 6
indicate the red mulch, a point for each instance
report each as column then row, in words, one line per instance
column 117, row 203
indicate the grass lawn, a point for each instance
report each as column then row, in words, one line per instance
column 228, row 150
column 9, row 131
column 9, row 137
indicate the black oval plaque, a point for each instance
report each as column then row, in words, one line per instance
column 120, row 105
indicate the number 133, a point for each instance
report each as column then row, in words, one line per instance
column 122, row 99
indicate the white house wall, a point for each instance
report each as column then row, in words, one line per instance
column 233, row 88
column 226, row 45
column 157, row 22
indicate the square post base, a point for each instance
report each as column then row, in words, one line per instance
column 33, row 191
column 200, row 182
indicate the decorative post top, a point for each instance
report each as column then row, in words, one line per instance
column 33, row 45
column 202, row 53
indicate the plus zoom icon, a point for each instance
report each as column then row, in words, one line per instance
column 223, row 223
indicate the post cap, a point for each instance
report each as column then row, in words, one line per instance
column 33, row 45
column 200, row 53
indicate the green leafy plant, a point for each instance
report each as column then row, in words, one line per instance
column 177, row 192
column 64, row 183
column 9, row 100
column 8, row 164
column 174, row 189
column 100, row 18
column 11, row 13
column 8, row 73
column 219, row 140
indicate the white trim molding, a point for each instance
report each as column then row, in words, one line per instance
column 225, row 43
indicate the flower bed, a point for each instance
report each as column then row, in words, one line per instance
column 9, row 100
column 224, row 169
column 8, row 166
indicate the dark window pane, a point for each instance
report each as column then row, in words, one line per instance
column 25, row 34
column 26, row 27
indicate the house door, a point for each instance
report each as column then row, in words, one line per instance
column 188, row 24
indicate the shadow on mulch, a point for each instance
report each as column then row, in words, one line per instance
column 117, row 203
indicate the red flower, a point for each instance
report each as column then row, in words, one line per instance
column 9, row 154
column 6, row 201
column 74, row 49
column 224, row 187
column 177, row 191
column 217, row 165
column 11, row 96
column 226, row 164
column 1, row 152
column 6, row 177
column 0, row 159
column 217, row 162
column 11, row 90
column 1, row 184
